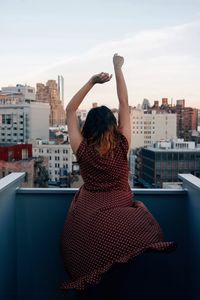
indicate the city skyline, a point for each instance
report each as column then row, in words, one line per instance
column 160, row 43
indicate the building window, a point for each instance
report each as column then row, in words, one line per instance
column 24, row 153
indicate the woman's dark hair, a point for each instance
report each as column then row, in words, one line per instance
column 100, row 129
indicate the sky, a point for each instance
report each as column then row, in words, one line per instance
column 159, row 39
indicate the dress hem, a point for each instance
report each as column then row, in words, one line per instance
column 95, row 276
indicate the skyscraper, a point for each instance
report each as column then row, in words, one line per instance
column 61, row 88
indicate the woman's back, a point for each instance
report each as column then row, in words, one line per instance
column 104, row 173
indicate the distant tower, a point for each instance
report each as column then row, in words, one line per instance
column 145, row 104
column 61, row 88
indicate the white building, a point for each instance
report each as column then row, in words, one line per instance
column 147, row 128
column 23, row 122
column 59, row 156
column 26, row 90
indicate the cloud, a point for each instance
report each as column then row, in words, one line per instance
column 158, row 63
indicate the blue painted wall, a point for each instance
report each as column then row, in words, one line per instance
column 40, row 219
column 8, row 253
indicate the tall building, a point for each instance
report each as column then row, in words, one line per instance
column 49, row 93
column 151, row 126
column 22, row 122
column 61, row 88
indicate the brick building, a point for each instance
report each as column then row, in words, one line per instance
column 49, row 93
column 187, row 120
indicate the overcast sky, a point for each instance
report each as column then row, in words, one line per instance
column 160, row 40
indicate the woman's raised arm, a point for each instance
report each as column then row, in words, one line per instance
column 72, row 122
column 124, row 118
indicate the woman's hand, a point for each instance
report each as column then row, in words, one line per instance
column 100, row 78
column 118, row 61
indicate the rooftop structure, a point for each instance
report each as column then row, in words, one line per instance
column 27, row 91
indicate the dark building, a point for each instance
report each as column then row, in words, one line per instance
column 159, row 166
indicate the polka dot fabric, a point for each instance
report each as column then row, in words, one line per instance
column 104, row 225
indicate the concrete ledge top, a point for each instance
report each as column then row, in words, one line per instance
column 190, row 179
column 73, row 190
column 10, row 179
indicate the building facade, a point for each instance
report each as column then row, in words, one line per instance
column 149, row 127
column 23, row 122
column 161, row 165
column 60, row 158
column 187, row 120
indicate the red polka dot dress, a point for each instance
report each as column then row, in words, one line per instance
column 104, row 225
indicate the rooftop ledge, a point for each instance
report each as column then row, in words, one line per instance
column 31, row 222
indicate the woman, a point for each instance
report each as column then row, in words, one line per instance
column 104, row 225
